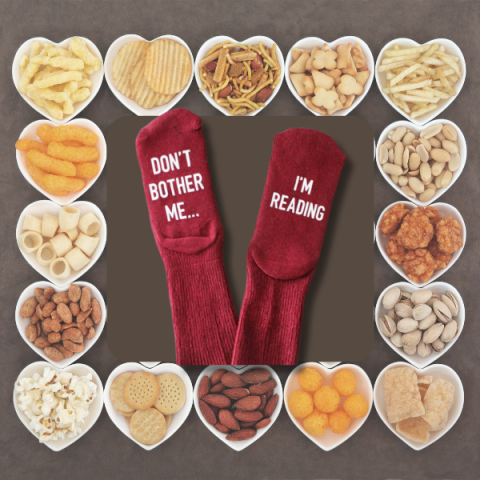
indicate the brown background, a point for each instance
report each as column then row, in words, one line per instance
column 330, row 331
column 284, row 452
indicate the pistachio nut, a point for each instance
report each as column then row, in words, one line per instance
column 405, row 295
column 421, row 296
column 432, row 333
column 407, row 325
column 426, row 323
column 411, row 339
column 449, row 332
column 431, row 131
column 442, row 311
column 438, row 345
column 421, row 311
column 410, row 350
column 450, row 133
column 387, row 325
column 403, row 310
column 391, row 298
column 406, row 301
column 433, row 299
column 396, row 339
column 424, row 349
column 449, row 299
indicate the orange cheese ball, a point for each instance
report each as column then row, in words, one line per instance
column 327, row 399
column 344, row 382
column 309, row 379
column 316, row 423
column 355, row 406
column 338, row 421
column 300, row 404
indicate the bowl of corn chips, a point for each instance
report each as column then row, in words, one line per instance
column 58, row 79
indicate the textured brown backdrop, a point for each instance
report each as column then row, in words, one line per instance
column 284, row 453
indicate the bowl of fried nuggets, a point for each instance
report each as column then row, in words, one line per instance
column 73, row 160
column 58, row 79
column 149, row 77
column 418, row 405
column 330, row 78
column 420, row 81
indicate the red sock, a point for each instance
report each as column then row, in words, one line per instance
column 282, row 256
column 189, row 235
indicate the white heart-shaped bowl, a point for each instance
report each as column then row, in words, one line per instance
column 30, row 132
column 438, row 288
column 131, row 104
column 437, row 371
column 177, row 418
column 22, row 323
column 329, row 364
column 450, row 47
column 94, row 409
column 329, row 440
column 96, row 78
column 416, row 130
column 240, row 445
column 446, row 210
column 40, row 207
column 253, row 41
column 149, row 364
column 307, row 44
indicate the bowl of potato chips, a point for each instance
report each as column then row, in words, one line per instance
column 58, row 79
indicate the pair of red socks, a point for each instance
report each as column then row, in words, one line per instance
column 302, row 178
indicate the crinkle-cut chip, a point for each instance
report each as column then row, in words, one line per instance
column 124, row 63
column 396, row 252
column 449, row 235
column 415, row 429
column 163, row 99
column 168, row 66
column 416, row 230
column 438, row 401
column 441, row 258
column 433, row 215
column 392, row 218
column 419, row 265
column 422, row 391
column 402, row 397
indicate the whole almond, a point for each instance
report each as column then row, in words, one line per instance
column 248, row 416
column 64, row 312
column 217, row 376
column 73, row 334
column 48, row 293
column 262, row 388
column 40, row 296
column 34, row 319
column 219, row 387
column 236, row 393
column 259, row 375
column 264, row 402
column 61, row 297
column 74, row 308
column 226, row 418
column 247, row 424
column 204, row 387
column 232, row 380
column 83, row 328
column 41, row 342
column 243, row 434
column 48, row 309
column 54, row 337
column 91, row 333
column 262, row 423
column 96, row 311
column 82, row 316
column 31, row 332
column 270, row 406
column 248, row 404
column 207, row 412
column 217, row 400
column 28, row 308
column 73, row 347
column 221, row 428
column 55, row 325
column 85, row 299
column 53, row 354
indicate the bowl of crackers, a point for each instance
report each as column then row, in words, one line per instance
column 148, row 405
column 330, row 78
column 58, row 79
column 149, row 77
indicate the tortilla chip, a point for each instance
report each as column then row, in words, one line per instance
column 415, row 429
column 438, row 401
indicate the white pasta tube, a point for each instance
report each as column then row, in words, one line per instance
column 60, row 268
column 76, row 259
column 87, row 244
column 49, row 225
column 61, row 244
column 30, row 241
column 72, row 234
column 69, row 217
column 89, row 224
column 32, row 224
column 45, row 254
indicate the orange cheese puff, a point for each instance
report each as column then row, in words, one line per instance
column 71, row 132
column 50, row 164
column 25, row 144
column 73, row 154
column 72, row 143
column 44, row 132
column 87, row 170
column 38, row 175
column 58, row 182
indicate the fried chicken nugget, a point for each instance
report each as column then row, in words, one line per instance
column 50, row 164
column 416, row 230
column 392, row 219
column 419, row 265
column 433, row 215
column 72, row 132
column 442, row 259
column 396, row 252
column 449, row 235
column 73, row 154
column 25, row 145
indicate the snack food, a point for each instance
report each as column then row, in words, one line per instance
column 240, row 78
column 329, row 79
column 56, row 324
column 56, row 402
column 56, row 78
column 417, row 78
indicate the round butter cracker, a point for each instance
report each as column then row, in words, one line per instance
column 116, row 394
column 172, row 394
column 148, row 426
column 141, row 390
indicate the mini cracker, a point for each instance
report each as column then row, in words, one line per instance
column 172, row 393
column 148, row 426
column 141, row 390
column 116, row 394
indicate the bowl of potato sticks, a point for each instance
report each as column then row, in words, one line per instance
column 58, row 79
column 239, row 78
column 420, row 81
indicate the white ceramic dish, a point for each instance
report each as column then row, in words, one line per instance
column 22, row 323
column 177, row 419
column 131, row 104
column 96, row 78
column 450, row 47
column 40, row 207
column 240, row 445
column 446, row 210
column 329, row 440
column 416, row 130
column 308, row 43
column 149, row 364
column 209, row 44
column 438, row 288
column 93, row 412
column 329, row 364
column 30, row 132
column 437, row 372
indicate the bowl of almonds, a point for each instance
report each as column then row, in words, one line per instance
column 421, row 163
